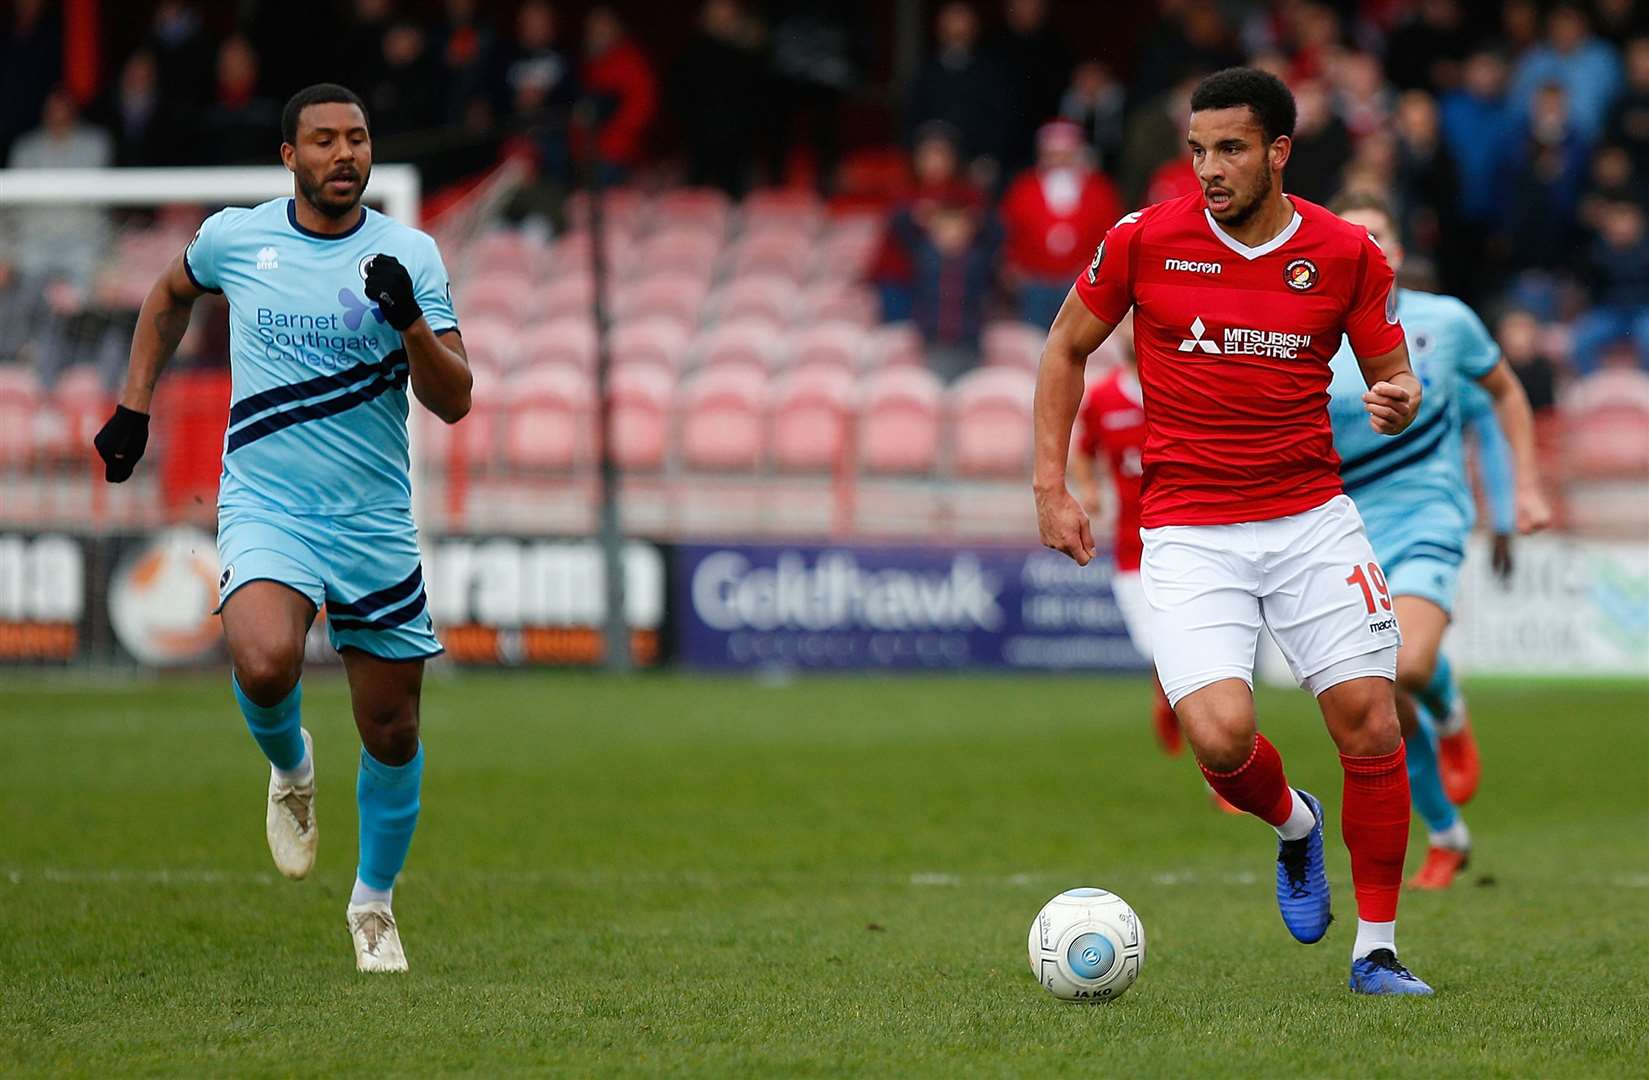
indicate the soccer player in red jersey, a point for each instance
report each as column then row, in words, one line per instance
column 1111, row 425
column 1240, row 295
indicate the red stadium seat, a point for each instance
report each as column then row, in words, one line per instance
column 791, row 207
column 749, row 340
column 1606, row 424
column 761, row 296
column 546, row 425
column 654, row 339
column 512, row 251
column 838, row 343
column 571, row 253
column 700, row 206
column 673, row 296
column 20, row 401
column 810, row 417
column 774, row 251
column 505, row 296
column 721, row 422
column 488, row 341
column 990, row 414
column 842, row 301
column 899, row 421
column 640, row 396
column 892, row 345
column 1013, row 344
column 847, row 248
column 690, row 248
column 628, row 209
column 568, row 340
column 569, row 295
column 84, row 402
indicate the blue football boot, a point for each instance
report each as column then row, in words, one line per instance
column 1302, row 883
column 1380, row 973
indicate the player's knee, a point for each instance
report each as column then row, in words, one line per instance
column 1370, row 725
column 1222, row 740
column 268, row 670
column 1415, row 668
column 390, row 731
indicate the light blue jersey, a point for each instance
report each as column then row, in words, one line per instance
column 1412, row 489
column 1494, row 457
column 318, row 423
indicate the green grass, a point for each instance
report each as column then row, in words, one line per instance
column 683, row 877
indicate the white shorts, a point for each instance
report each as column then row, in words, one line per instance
column 1136, row 613
column 1311, row 578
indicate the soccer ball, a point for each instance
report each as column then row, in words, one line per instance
column 1087, row 945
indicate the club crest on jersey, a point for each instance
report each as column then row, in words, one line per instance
column 1301, row 274
column 1093, row 267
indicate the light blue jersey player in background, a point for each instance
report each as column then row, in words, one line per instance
column 334, row 309
column 1416, row 501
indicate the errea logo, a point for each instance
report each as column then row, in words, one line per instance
column 1191, row 267
column 269, row 259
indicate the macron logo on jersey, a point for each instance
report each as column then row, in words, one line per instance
column 1191, row 267
column 269, row 259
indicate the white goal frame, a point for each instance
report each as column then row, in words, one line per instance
column 396, row 189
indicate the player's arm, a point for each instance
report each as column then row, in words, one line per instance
column 441, row 377
column 1511, row 408
column 1075, row 334
column 1393, row 397
column 161, row 323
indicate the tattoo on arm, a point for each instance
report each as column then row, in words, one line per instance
column 171, row 323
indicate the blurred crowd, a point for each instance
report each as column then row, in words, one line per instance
column 1513, row 138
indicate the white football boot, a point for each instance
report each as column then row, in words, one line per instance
column 289, row 821
column 377, row 941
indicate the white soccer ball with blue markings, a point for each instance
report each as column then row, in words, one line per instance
column 1087, row 945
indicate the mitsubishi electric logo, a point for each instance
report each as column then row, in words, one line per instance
column 1195, row 341
column 269, row 259
column 1244, row 341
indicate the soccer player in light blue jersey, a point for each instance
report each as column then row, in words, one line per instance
column 334, row 311
column 1416, row 501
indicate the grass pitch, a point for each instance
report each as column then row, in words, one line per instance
column 670, row 876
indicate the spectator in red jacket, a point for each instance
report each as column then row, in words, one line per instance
column 620, row 79
column 1054, row 216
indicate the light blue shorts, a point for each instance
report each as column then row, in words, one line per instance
column 363, row 569
column 1428, row 572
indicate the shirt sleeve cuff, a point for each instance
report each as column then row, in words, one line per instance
column 195, row 281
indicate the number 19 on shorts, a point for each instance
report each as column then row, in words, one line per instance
column 1372, row 577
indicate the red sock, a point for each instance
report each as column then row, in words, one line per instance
column 1374, row 821
column 1257, row 785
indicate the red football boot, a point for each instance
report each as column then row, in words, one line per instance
column 1458, row 763
column 1439, row 869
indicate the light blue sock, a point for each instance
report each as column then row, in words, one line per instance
column 1425, row 782
column 277, row 727
column 1439, row 694
column 387, row 796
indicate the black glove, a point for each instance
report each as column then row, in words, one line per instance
column 388, row 282
column 120, row 443
column 1502, row 558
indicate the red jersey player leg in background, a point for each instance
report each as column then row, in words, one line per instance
column 1111, row 426
column 1241, row 294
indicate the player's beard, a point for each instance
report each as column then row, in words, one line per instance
column 315, row 194
column 1240, row 215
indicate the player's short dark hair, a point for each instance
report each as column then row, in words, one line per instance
column 320, row 94
column 1353, row 199
column 1261, row 91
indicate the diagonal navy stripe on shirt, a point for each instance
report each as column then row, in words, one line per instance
column 382, row 383
column 389, row 620
column 1394, row 443
column 371, row 602
column 250, row 406
column 1404, row 455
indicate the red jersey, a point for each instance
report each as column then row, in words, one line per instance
column 1046, row 240
column 1113, row 421
column 1234, row 344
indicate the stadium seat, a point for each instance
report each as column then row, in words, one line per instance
column 762, row 296
column 640, row 396
column 568, row 340
column 839, row 343
column 699, row 206
column 990, row 422
column 789, row 207
column 569, row 295
column 512, row 251
column 571, row 253
column 671, row 295
column 546, row 418
column 628, row 209
column 842, row 301
column 721, row 422
column 1012, row 344
column 85, row 402
column 505, row 296
column 900, row 421
column 809, row 419
column 847, row 247
column 749, row 340
column 892, row 345
column 689, row 248
column 1606, row 424
column 781, row 251
column 489, row 342
column 20, row 401
column 655, row 339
